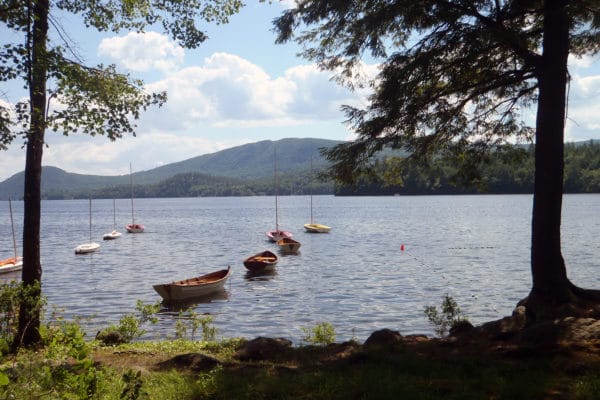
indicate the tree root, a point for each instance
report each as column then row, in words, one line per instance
column 580, row 303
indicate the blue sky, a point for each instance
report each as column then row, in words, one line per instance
column 238, row 87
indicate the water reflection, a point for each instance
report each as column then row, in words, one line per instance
column 178, row 306
column 260, row 276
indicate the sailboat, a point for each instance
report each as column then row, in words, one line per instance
column 133, row 227
column 276, row 234
column 12, row 263
column 313, row 227
column 114, row 234
column 91, row 246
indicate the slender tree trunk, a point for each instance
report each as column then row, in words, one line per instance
column 551, row 286
column 29, row 316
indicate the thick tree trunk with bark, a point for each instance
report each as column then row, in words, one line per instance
column 29, row 315
column 552, row 293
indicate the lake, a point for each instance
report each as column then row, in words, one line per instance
column 357, row 278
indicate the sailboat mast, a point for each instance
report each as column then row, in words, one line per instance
column 131, row 184
column 90, row 219
column 276, row 184
column 114, row 215
column 311, row 194
column 12, row 225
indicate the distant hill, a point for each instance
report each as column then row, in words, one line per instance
column 252, row 161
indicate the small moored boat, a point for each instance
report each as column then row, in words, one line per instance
column 111, row 235
column 11, row 264
column 261, row 262
column 91, row 246
column 288, row 245
column 316, row 228
column 87, row 248
column 115, row 234
column 134, row 228
column 275, row 235
column 14, row 263
column 193, row 287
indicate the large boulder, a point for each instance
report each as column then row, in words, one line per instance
column 263, row 348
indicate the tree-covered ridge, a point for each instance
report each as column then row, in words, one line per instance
column 507, row 171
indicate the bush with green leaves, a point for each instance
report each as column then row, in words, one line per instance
column 129, row 326
column 322, row 333
column 193, row 320
column 449, row 316
column 12, row 296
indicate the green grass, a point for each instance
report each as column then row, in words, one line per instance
column 308, row 372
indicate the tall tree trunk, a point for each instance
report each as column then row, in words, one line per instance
column 551, row 286
column 29, row 315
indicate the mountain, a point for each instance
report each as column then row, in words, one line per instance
column 253, row 161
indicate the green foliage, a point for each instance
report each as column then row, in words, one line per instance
column 455, row 77
column 449, row 316
column 129, row 326
column 12, row 296
column 322, row 334
column 62, row 368
column 192, row 320
column 133, row 385
column 68, row 337
column 9, row 314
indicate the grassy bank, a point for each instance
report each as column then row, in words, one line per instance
column 184, row 369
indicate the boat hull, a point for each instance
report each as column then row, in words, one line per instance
column 87, row 248
column 194, row 287
column 134, row 228
column 317, row 228
column 275, row 235
column 288, row 245
column 261, row 262
column 112, row 235
column 10, row 264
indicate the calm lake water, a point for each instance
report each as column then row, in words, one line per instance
column 474, row 248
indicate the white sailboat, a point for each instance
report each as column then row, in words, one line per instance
column 133, row 227
column 276, row 234
column 14, row 263
column 313, row 227
column 91, row 246
column 114, row 234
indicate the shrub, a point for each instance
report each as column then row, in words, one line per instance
column 449, row 316
column 321, row 334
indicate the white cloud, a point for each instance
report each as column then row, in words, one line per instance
column 583, row 62
column 227, row 90
column 143, row 51
column 98, row 156
column 586, row 86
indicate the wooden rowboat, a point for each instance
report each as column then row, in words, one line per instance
column 261, row 262
column 193, row 287
column 288, row 245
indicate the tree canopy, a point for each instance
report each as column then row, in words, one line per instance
column 458, row 78
column 67, row 96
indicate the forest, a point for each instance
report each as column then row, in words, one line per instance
column 509, row 170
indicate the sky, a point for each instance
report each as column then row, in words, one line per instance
column 238, row 87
